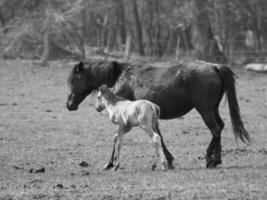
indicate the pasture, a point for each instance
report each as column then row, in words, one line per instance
column 42, row 145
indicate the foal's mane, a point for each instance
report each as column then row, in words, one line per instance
column 109, row 95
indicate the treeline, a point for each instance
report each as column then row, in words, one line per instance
column 212, row 30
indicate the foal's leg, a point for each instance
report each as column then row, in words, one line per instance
column 118, row 144
column 110, row 164
column 158, row 147
column 157, row 141
column 156, row 156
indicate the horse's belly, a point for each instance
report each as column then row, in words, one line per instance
column 173, row 109
column 172, row 105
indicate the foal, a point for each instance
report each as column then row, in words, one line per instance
column 127, row 114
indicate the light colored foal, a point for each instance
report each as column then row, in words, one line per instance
column 127, row 114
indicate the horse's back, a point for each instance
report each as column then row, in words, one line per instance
column 203, row 84
column 176, row 89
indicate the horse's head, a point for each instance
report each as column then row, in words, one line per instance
column 80, row 86
column 104, row 96
column 84, row 79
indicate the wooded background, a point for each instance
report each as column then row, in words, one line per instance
column 213, row 30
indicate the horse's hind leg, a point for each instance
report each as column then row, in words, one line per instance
column 218, row 148
column 167, row 154
column 215, row 124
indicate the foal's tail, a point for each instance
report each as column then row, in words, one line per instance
column 156, row 111
column 228, row 78
column 156, row 115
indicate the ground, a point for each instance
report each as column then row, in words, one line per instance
column 37, row 131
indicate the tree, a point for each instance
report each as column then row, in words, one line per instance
column 207, row 29
column 121, row 21
column 206, row 46
column 138, row 28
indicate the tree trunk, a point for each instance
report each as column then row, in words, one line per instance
column 85, row 24
column 149, row 28
column 157, row 45
column 138, row 28
column 2, row 22
column 170, row 46
column 177, row 48
column 128, row 47
column 121, row 23
column 206, row 46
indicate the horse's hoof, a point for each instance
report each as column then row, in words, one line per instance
column 108, row 166
column 115, row 168
column 153, row 167
column 170, row 166
column 213, row 163
column 208, row 162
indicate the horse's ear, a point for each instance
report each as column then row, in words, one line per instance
column 79, row 67
column 115, row 70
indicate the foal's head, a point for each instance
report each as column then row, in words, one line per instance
column 104, row 97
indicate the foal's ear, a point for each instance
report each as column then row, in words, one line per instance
column 103, row 88
column 79, row 67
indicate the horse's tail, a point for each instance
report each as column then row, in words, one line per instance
column 228, row 78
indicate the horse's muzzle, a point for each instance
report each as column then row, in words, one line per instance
column 71, row 107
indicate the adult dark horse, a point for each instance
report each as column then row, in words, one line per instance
column 177, row 90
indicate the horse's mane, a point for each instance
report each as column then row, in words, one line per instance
column 104, row 72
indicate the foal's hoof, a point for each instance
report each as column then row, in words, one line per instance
column 115, row 168
column 164, row 166
column 153, row 167
column 108, row 166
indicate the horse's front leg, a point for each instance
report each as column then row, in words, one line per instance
column 110, row 163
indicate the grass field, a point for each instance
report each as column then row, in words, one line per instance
column 36, row 131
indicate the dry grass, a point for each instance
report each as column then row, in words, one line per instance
column 37, row 131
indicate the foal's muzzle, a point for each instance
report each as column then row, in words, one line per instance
column 99, row 108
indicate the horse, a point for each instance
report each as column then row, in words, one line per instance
column 127, row 114
column 175, row 89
